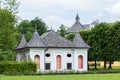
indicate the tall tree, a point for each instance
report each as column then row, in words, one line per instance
column 62, row 30
column 25, row 27
column 98, row 42
column 41, row 26
column 12, row 5
column 113, row 43
column 8, row 32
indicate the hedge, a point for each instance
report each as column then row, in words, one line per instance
column 17, row 68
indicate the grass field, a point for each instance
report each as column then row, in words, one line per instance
column 65, row 77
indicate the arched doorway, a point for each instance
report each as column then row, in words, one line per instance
column 80, row 62
column 37, row 60
column 58, row 62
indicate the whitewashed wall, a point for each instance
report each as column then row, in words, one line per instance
column 40, row 52
column 82, row 52
column 63, row 53
column 53, row 54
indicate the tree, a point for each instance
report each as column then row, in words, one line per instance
column 62, row 30
column 98, row 42
column 39, row 24
column 12, row 5
column 113, row 43
column 8, row 32
column 25, row 27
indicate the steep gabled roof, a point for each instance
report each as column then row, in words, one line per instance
column 35, row 41
column 22, row 42
column 52, row 39
column 78, row 42
column 76, row 27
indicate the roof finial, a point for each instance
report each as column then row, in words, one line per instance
column 77, row 18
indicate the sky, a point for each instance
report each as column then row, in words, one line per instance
column 57, row 12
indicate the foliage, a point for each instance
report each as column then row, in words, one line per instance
column 27, row 27
column 17, row 68
column 12, row 5
column 113, row 43
column 7, row 55
column 62, row 30
column 39, row 24
column 8, row 33
column 70, row 36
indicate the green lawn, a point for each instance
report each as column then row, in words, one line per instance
column 65, row 77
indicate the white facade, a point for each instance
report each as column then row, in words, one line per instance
column 51, row 52
column 54, row 52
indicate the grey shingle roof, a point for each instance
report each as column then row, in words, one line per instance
column 78, row 42
column 35, row 41
column 76, row 26
column 22, row 42
column 52, row 39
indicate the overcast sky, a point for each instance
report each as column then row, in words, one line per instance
column 57, row 12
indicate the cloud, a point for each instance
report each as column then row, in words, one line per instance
column 63, row 4
column 115, row 9
column 57, row 12
column 55, row 22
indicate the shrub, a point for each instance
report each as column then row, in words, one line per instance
column 17, row 68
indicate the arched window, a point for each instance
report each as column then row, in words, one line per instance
column 37, row 60
column 80, row 62
column 58, row 62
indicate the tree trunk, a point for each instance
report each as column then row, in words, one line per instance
column 105, row 62
column 110, row 65
column 95, row 67
column 88, row 66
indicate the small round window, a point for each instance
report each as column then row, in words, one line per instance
column 68, row 55
column 47, row 55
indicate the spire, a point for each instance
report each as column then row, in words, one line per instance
column 79, row 42
column 36, row 41
column 22, row 42
column 77, row 18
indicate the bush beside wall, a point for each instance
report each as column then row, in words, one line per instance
column 17, row 68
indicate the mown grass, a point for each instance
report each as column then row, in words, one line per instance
column 112, row 76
